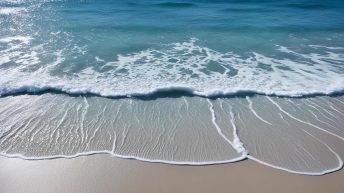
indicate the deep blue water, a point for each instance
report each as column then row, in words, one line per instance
column 124, row 47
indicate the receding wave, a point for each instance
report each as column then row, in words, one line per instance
column 302, row 135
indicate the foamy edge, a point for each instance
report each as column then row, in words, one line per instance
column 161, row 90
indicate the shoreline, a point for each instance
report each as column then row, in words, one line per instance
column 103, row 173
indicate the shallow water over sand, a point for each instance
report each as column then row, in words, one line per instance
column 300, row 135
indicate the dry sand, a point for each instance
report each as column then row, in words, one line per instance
column 106, row 174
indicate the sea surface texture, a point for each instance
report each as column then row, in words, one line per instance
column 181, row 82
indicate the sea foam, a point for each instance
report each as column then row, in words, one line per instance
column 185, row 67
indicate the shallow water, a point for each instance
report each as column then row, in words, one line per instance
column 288, row 134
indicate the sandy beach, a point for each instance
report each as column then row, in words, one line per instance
column 106, row 174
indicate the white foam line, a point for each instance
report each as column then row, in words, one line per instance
column 307, row 123
column 20, row 156
column 236, row 140
column 236, row 144
column 336, row 110
column 340, row 166
column 213, row 116
column 321, row 113
column 339, row 101
column 305, row 173
column 320, row 107
column 298, row 172
column 293, row 171
column 242, row 157
column 254, row 112
column 114, row 144
column 323, row 122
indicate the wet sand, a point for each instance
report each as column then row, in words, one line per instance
column 106, row 174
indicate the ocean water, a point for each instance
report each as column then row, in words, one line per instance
column 181, row 82
column 208, row 48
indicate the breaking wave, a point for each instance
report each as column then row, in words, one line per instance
column 184, row 67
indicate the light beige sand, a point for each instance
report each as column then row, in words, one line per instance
column 105, row 174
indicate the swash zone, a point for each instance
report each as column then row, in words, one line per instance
column 300, row 135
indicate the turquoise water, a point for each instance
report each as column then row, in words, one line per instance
column 208, row 48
